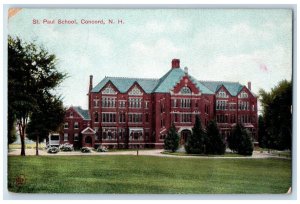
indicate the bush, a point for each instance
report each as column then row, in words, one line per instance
column 215, row 144
column 197, row 140
column 85, row 150
column 172, row 139
column 101, row 149
column 52, row 150
column 66, row 147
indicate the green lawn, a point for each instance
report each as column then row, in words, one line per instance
column 146, row 174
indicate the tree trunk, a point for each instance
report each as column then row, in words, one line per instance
column 37, row 145
column 22, row 137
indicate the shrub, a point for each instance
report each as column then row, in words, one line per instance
column 85, row 150
column 101, row 149
column 215, row 144
column 52, row 150
column 172, row 139
column 197, row 140
column 66, row 147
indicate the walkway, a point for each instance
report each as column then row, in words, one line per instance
column 153, row 152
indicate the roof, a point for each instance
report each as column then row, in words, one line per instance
column 233, row 87
column 172, row 77
column 167, row 83
column 84, row 113
column 124, row 83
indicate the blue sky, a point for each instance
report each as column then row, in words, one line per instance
column 215, row 44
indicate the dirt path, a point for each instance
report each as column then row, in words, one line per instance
column 154, row 152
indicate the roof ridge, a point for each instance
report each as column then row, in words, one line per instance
column 220, row 81
column 132, row 78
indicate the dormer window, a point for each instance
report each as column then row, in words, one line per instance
column 222, row 94
column 243, row 95
column 185, row 90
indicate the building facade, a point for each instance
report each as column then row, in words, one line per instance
column 137, row 113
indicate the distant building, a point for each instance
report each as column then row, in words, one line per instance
column 137, row 112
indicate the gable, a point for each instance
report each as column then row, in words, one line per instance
column 222, row 92
column 109, row 89
column 244, row 93
column 185, row 87
column 88, row 130
column 135, row 90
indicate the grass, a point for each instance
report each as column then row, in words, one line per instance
column 146, row 174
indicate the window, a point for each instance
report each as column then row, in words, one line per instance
column 108, row 90
column 109, row 117
column 76, row 137
column 66, row 125
column 121, row 133
column 174, row 103
column 222, row 94
column 66, row 137
column 75, row 125
column 96, row 103
column 122, row 118
column 221, row 105
column 71, row 114
column 185, row 103
column 185, row 90
column 147, row 117
column 186, row 118
column 122, row 104
column 108, row 102
column 222, row 118
column 96, row 115
column 135, row 102
column 206, row 109
column 243, row 105
column 146, row 104
column 243, row 94
column 135, row 118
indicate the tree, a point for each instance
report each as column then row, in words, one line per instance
column 197, row 140
column 277, row 115
column 31, row 74
column 264, row 139
column 47, row 119
column 240, row 141
column 172, row 139
column 11, row 127
column 215, row 144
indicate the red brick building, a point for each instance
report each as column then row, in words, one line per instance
column 137, row 112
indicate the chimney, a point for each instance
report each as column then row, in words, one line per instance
column 91, row 83
column 249, row 85
column 186, row 70
column 175, row 63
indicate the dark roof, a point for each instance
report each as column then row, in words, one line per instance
column 83, row 113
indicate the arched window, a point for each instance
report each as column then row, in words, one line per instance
column 185, row 90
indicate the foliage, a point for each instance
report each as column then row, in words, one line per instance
column 121, row 174
column 172, row 139
column 102, row 149
column 53, row 150
column 85, row 150
column 197, row 140
column 215, row 144
column 277, row 115
column 66, row 147
column 240, row 141
column 32, row 74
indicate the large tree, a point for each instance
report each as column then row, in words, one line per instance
column 32, row 72
column 172, row 140
column 48, row 118
column 197, row 140
column 240, row 141
column 215, row 144
column 277, row 114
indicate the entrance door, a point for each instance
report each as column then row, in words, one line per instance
column 88, row 141
column 184, row 136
